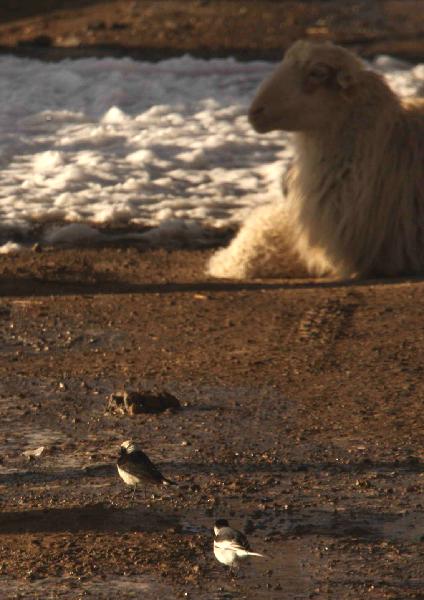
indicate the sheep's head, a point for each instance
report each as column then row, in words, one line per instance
column 308, row 89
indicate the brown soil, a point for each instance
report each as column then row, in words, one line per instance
column 257, row 28
column 302, row 421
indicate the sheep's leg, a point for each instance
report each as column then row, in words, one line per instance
column 264, row 247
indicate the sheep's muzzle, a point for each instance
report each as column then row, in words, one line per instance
column 256, row 118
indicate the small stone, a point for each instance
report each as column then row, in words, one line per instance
column 31, row 454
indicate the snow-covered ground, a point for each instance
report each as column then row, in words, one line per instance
column 126, row 144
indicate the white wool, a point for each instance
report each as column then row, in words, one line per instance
column 354, row 197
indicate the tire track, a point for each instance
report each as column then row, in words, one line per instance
column 314, row 337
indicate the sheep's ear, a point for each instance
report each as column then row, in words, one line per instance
column 345, row 78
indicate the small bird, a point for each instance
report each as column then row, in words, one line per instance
column 230, row 545
column 134, row 467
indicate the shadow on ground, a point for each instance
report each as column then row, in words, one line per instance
column 98, row 517
column 35, row 287
column 107, row 471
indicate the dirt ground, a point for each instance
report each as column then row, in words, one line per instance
column 302, row 423
column 246, row 29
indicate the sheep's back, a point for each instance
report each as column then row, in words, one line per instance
column 364, row 208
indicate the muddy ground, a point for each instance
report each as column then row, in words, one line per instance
column 302, row 423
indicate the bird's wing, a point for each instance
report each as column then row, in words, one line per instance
column 234, row 546
column 229, row 545
column 154, row 471
column 242, row 540
column 139, row 464
column 231, row 539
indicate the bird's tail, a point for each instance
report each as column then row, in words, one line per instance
column 256, row 554
column 168, row 482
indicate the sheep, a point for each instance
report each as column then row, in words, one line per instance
column 354, row 196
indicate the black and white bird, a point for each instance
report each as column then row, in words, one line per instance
column 135, row 467
column 229, row 545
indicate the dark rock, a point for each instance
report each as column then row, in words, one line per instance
column 119, row 26
column 144, row 402
column 39, row 41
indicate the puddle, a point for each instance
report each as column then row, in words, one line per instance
column 28, row 437
column 19, row 334
column 190, row 528
column 97, row 518
column 279, row 576
column 408, row 528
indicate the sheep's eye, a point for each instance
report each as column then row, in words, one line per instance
column 318, row 73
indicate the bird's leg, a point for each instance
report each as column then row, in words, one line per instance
column 133, row 494
column 234, row 570
column 114, row 499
